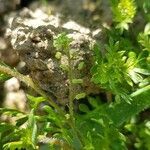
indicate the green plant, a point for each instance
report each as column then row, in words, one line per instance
column 122, row 71
column 117, row 72
column 123, row 11
column 144, row 38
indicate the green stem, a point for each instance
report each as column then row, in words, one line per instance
column 71, row 99
column 70, row 77
column 27, row 80
column 140, row 91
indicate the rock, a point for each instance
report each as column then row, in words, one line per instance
column 12, row 85
column 7, row 54
column 32, row 36
column 8, row 5
column 15, row 98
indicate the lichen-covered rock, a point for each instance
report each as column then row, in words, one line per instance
column 32, row 36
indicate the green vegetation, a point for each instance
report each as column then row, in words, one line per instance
column 123, row 72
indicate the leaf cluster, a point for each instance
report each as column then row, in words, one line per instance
column 123, row 12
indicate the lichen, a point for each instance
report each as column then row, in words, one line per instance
column 35, row 46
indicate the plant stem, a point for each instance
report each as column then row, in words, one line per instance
column 109, row 97
column 27, row 80
column 71, row 98
column 138, row 92
column 70, row 77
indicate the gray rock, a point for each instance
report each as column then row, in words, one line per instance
column 32, row 35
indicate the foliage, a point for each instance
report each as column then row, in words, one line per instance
column 3, row 77
column 141, row 133
column 124, row 12
column 117, row 72
column 144, row 38
column 121, row 72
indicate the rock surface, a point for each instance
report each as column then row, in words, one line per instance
column 8, row 5
column 32, row 35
